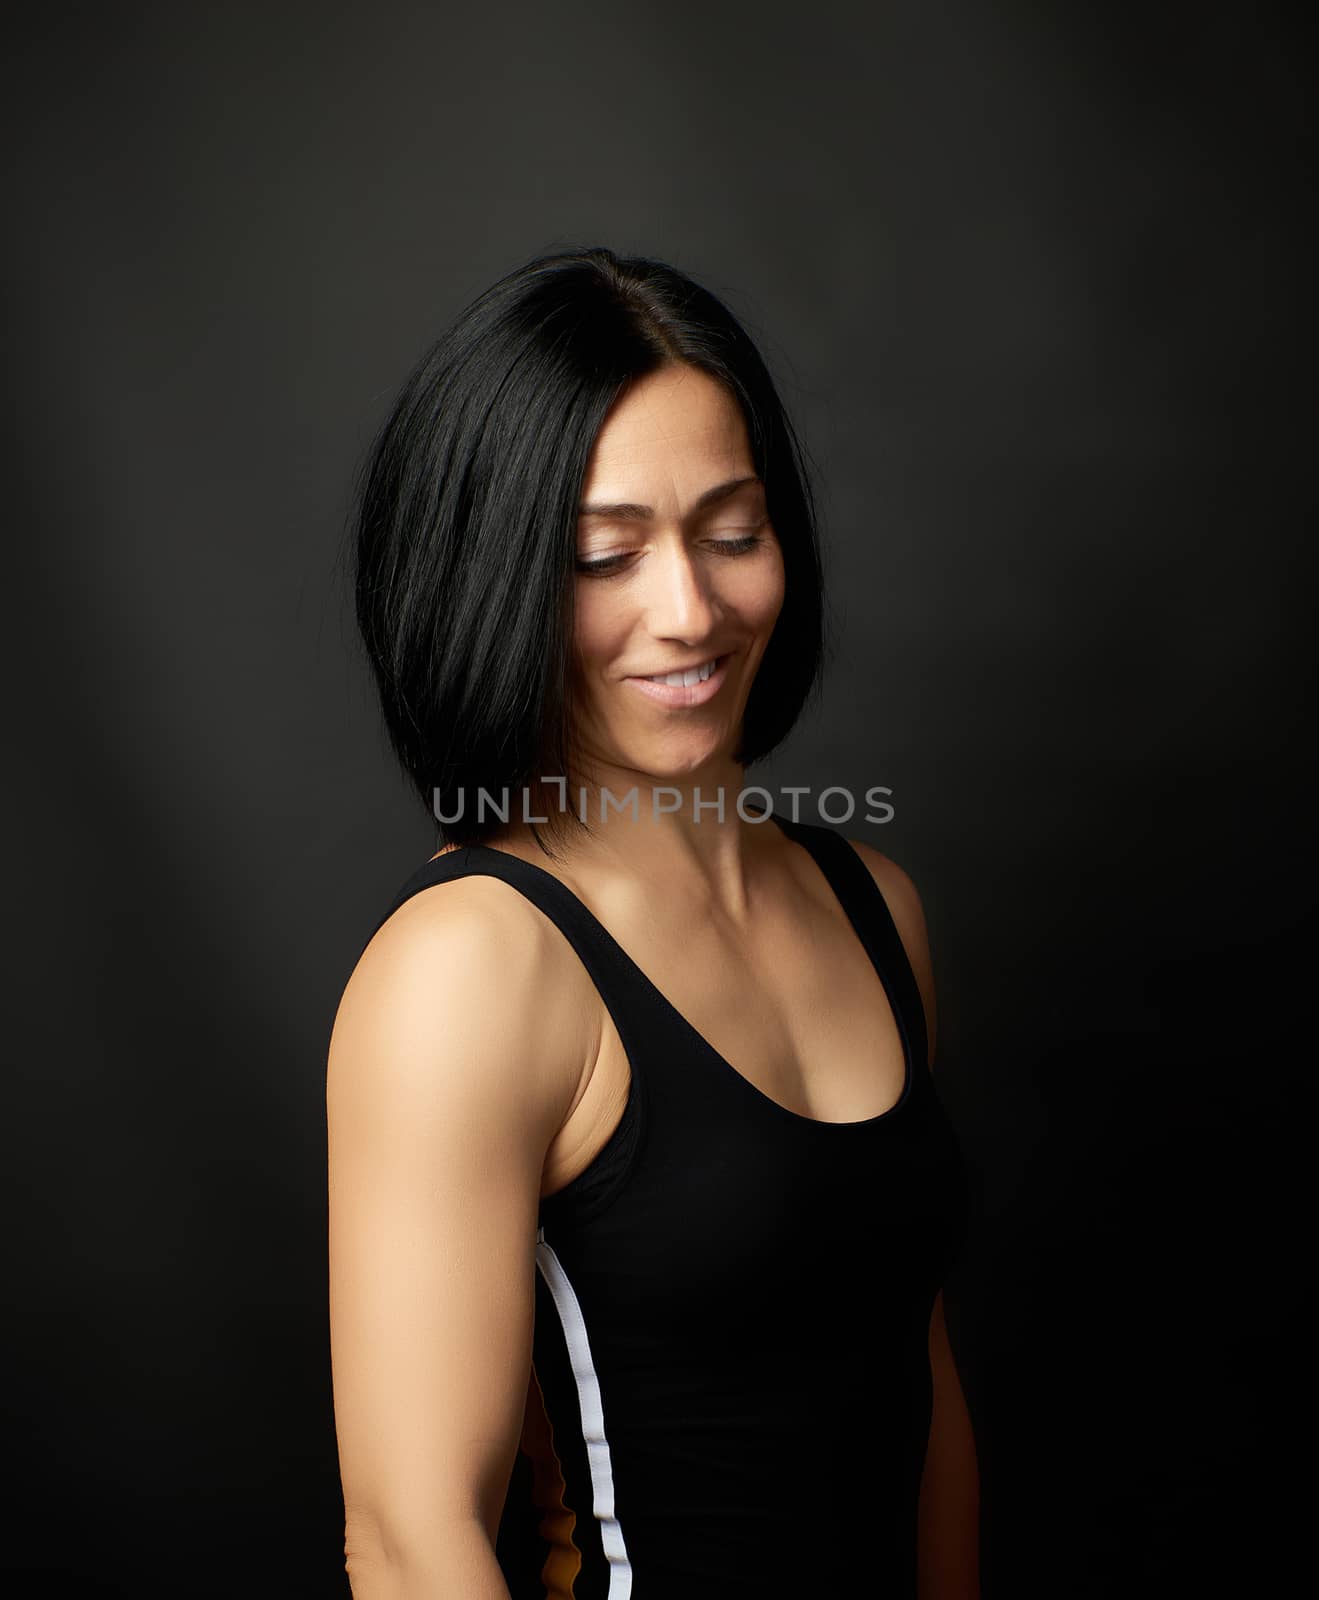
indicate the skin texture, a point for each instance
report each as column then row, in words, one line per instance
column 473, row 1066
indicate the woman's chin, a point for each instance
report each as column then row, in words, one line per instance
column 683, row 766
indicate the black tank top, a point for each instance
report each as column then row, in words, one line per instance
column 730, row 1390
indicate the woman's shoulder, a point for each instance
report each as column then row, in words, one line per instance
column 468, row 966
column 477, row 929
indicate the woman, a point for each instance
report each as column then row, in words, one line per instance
column 641, row 1195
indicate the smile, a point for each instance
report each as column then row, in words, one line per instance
column 692, row 687
column 685, row 679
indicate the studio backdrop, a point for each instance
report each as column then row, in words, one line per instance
column 1030, row 280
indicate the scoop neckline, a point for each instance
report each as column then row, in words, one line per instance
column 799, row 839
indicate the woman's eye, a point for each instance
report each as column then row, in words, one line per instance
column 603, row 564
column 737, row 543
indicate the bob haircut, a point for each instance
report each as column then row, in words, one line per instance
column 464, row 528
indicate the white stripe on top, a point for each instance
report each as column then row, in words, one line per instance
column 593, row 1421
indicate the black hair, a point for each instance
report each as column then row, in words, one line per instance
column 464, row 524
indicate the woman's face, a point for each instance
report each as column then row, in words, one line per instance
column 677, row 567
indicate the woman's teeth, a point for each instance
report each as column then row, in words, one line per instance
column 684, row 680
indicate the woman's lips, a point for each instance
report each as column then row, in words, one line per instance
column 684, row 696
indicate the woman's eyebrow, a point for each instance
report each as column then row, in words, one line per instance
column 627, row 511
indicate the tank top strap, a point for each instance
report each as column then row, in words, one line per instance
column 861, row 898
column 599, row 955
column 614, row 975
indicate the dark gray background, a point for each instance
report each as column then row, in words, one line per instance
column 1032, row 279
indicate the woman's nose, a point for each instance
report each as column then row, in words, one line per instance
column 679, row 603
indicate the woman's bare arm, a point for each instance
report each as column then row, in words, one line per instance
column 457, row 1051
column 950, row 1486
column 949, row 1524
